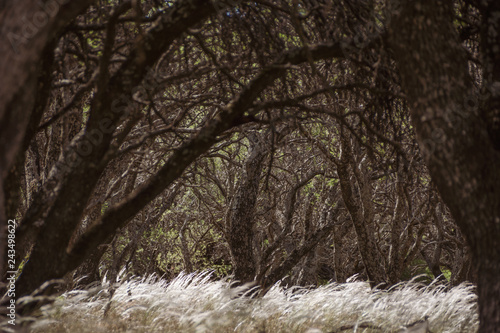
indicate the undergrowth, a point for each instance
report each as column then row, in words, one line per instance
column 195, row 303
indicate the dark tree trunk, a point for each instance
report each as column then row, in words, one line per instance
column 451, row 122
column 22, row 43
column 85, row 159
column 357, row 204
column 308, row 245
column 241, row 217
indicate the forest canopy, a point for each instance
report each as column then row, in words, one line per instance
column 304, row 140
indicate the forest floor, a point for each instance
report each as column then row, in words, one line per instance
column 197, row 303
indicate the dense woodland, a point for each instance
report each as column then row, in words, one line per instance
column 297, row 140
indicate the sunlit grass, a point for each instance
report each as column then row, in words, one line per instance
column 194, row 303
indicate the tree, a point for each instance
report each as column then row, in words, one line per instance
column 241, row 219
column 457, row 126
column 27, row 61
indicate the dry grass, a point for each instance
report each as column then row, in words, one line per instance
column 193, row 303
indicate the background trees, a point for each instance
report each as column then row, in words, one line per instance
column 265, row 139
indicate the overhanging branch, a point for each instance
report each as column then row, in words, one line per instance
column 116, row 216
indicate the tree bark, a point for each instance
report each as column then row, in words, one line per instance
column 453, row 133
column 27, row 28
column 357, row 204
column 115, row 217
column 241, row 217
column 339, row 232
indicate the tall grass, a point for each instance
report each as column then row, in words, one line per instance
column 194, row 303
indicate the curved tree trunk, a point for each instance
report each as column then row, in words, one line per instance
column 357, row 203
column 453, row 126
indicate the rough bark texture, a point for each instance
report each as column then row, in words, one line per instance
column 357, row 204
column 26, row 30
column 453, row 134
column 242, row 218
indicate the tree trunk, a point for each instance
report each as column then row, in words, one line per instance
column 186, row 256
column 450, row 118
column 356, row 203
column 85, row 159
column 395, row 256
column 241, row 217
column 23, row 39
column 309, row 244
